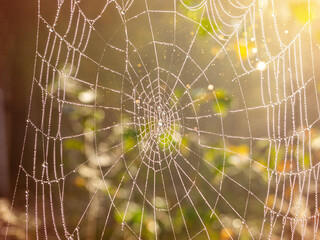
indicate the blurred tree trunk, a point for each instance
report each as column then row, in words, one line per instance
column 5, row 98
column 17, row 47
column 4, row 170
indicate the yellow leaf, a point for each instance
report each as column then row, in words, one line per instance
column 79, row 181
column 243, row 49
column 300, row 10
column 226, row 233
column 242, row 149
column 270, row 201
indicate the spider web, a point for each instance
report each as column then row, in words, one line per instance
column 172, row 119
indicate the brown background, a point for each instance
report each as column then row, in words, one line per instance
column 18, row 30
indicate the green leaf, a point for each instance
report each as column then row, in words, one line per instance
column 223, row 101
column 73, row 144
column 207, row 27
